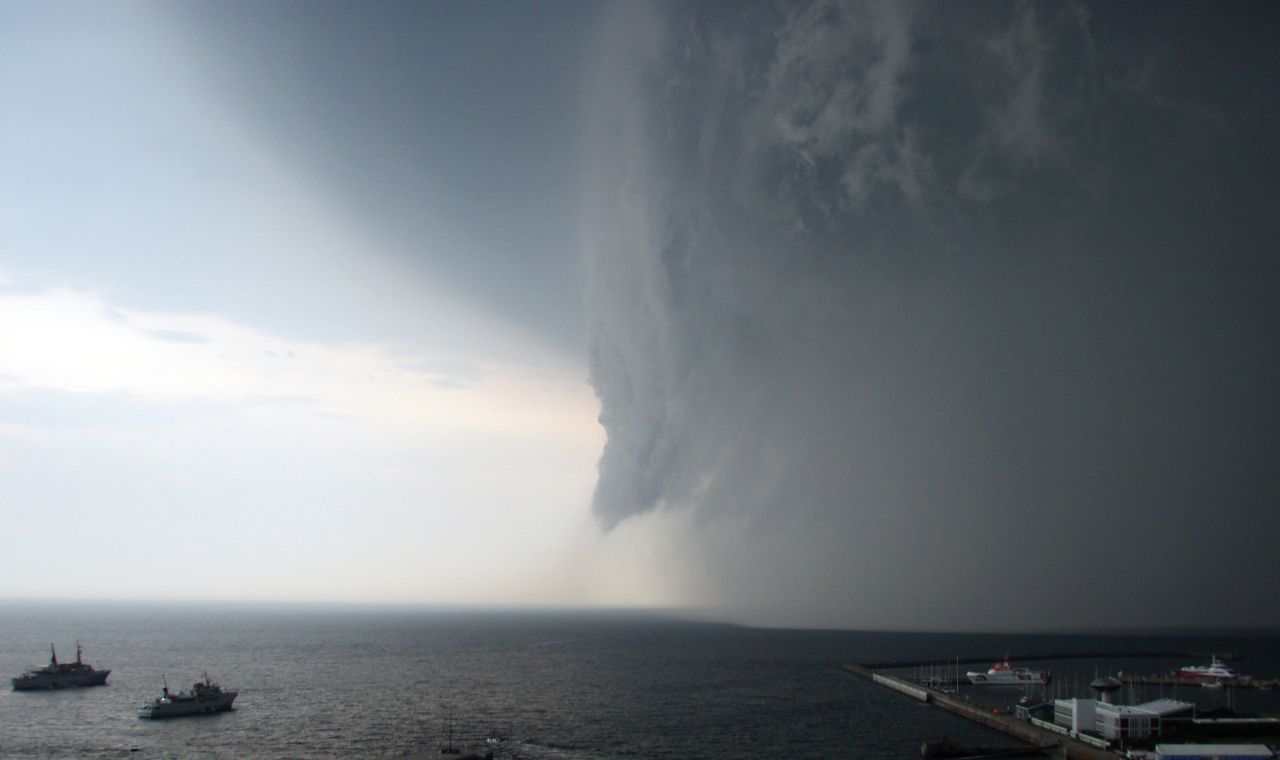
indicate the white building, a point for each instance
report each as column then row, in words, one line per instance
column 1118, row 722
column 1125, row 722
column 1074, row 714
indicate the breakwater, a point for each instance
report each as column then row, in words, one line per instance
column 1022, row 730
column 889, row 665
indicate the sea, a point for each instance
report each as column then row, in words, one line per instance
column 349, row 682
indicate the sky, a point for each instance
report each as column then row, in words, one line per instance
column 869, row 315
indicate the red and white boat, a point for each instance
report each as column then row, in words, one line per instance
column 1004, row 674
column 1214, row 672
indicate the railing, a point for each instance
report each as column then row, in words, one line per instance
column 1050, row 726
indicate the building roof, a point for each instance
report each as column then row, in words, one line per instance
column 1166, row 706
column 1159, row 707
column 1124, row 709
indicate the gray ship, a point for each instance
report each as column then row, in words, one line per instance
column 204, row 697
column 61, row 675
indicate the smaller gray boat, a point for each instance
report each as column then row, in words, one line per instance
column 61, row 675
column 205, row 697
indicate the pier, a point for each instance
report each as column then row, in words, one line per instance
column 1031, row 733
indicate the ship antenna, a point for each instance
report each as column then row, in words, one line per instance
column 53, row 656
column 78, row 652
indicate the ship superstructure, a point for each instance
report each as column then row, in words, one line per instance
column 204, row 697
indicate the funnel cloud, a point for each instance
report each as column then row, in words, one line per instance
column 942, row 316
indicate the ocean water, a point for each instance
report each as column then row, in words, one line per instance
column 318, row 683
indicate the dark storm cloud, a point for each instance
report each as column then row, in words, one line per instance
column 445, row 131
column 949, row 315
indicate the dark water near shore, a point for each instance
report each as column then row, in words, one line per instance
column 359, row 683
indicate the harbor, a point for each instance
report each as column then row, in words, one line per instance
column 1053, row 719
column 1036, row 736
column 946, row 673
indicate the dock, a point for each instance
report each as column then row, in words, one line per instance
column 1031, row 733
column 985, row 660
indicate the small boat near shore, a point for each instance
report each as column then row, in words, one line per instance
column 204, row 698
column 61, row 675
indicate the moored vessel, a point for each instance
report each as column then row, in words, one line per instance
column 205, row 697
column 1214, row 672
column 1004, row 674
column 61, row 675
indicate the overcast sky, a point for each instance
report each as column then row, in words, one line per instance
column 864, row 315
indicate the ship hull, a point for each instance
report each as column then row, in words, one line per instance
column 44, row 682
column 984, row 679
column 1184, row 676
